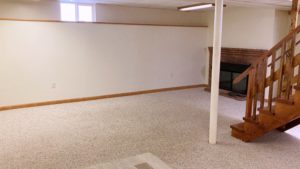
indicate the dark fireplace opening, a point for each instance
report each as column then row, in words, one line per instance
column 228, row 73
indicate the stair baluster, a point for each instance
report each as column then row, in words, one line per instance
column 249, row 96
column 281, row 71
column 255, row 93
column 263, row 84
column 281, row 78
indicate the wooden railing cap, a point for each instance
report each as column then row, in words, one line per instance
column 267, row 54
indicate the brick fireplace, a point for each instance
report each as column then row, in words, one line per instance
column 233, row 62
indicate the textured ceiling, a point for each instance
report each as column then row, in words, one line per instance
column 283, row 4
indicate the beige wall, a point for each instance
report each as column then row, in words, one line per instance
column 29, row 10
column 246, row 27
column 282, row 25
column 104, row 13
column 113, row 13
column 83, row 60
column 52, row 61
column 243, row 27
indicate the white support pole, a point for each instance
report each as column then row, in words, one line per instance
column 217, row 42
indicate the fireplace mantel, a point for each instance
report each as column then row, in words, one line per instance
column 236, row 56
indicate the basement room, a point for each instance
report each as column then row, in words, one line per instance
column 149, row 84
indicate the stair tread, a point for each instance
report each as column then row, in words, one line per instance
column 271, row 113
column 283, row 112
column 285, row 101
column 239, row 127
column 254, row 121
column 267, row 111
column 239, row 131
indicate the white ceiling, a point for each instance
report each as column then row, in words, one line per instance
column 173, row 4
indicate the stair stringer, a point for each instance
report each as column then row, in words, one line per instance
column 282, row 114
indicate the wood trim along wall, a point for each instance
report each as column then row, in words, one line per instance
column 2, row 108
column 108, row 23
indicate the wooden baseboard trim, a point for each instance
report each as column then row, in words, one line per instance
column 2, row 108
column 107, row 23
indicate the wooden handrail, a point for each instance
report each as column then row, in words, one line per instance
column 286, row 52
column 267, row 54
column 286, row 38
column 262, row 78
column 242, row 75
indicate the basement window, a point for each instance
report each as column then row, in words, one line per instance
column 68, row 12
column 73, row 12
column 85, row 13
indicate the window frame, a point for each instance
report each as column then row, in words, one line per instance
column 60, row 5
column 77, row 11
column 89, row 5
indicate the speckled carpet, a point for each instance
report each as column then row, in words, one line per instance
column 142, row 161
column 171, row 125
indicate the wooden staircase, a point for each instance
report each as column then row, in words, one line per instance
column 273, row 98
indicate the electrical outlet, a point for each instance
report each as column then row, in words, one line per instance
column 172, row 75
column 53, row 85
